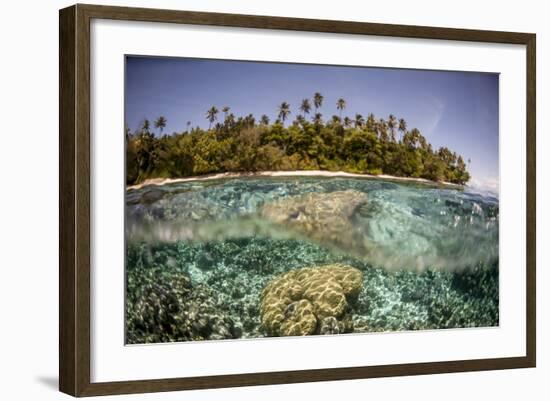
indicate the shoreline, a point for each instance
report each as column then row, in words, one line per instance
column 294, row 173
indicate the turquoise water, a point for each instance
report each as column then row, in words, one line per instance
column 200, row 253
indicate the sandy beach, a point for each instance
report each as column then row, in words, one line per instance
column 296, row 173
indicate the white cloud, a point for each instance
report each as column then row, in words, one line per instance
column 485, row 185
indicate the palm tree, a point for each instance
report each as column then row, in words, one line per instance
column 391, row 125
column 402, row 127
column 145, row 126
column 359, row 120
column 412, row 138
column 305, row 107
column 160, row 123
column 347, row 122
column 225, row 110
column 284, row 111
column 188, row 125
column 230, row 120
column 371, row 122
column 264, row 119
column 317, row 101
column 249, row 120
column 340, row 105
column 381, row 127
column 318, row 119
column 212, row 115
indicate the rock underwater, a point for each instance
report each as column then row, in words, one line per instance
column 311, row 300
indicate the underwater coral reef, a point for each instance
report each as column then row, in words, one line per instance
column 183, row 291
column 260, row 258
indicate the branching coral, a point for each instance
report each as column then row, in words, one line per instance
column 165, row 307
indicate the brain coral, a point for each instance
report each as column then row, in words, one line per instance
column 321, row 216
column 297, row 302
column 326, row 218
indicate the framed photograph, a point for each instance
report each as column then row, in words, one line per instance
column 250, row 200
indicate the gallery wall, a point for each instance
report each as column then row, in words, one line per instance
column 28, row 199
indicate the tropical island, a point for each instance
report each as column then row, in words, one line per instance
column 233, row 144
column 283, row 199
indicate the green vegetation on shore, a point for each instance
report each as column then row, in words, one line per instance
column 310, row 142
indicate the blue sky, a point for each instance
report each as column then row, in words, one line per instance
column 454, row 109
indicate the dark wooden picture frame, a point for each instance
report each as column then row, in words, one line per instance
column 74, row 200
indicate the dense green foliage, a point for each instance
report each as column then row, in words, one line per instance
column 355, row 145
